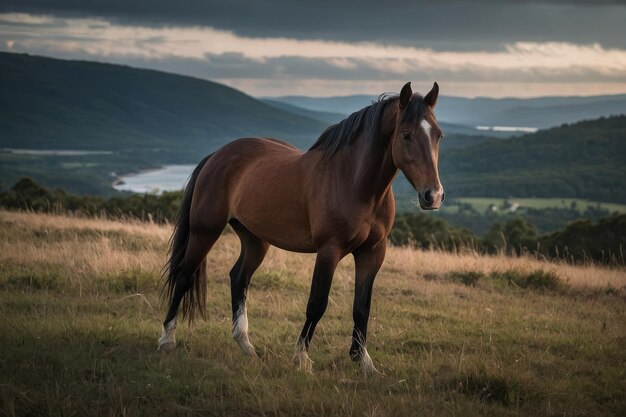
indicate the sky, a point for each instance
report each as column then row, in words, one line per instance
column 490, row 48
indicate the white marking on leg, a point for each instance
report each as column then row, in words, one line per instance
column 167, row 341
column 366, row 363
column 240, row 331
column 426, row 127
column 301, row 357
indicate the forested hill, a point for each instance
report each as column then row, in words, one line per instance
column 586, row 159
column 56, row 104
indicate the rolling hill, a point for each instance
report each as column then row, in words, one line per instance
column 56, row 104
column 324, row 116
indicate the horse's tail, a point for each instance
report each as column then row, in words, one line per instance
column 195, row 298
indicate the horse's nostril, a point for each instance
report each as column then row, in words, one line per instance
column 443, row 197
column 428, row 196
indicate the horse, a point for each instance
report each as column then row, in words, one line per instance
column 334, row 200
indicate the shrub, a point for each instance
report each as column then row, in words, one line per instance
column 537, row 280
column 469, row 278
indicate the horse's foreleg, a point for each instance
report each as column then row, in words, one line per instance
column 367, row 263
column 325, row 265
column 253, row 252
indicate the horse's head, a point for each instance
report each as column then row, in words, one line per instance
column 415, row 145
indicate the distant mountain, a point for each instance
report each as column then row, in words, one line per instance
column 340, row 104
column 340, row 107
column 55, row 104
column 329, row 118
column 539, row 112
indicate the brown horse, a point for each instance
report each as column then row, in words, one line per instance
column 335, row 199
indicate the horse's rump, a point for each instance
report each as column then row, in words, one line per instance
column 258, row 182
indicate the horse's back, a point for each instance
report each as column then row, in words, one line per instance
column 259, row 182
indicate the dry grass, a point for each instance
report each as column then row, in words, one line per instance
column 589, row 275
column 81, row 317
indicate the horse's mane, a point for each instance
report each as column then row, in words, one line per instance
column 367, row 121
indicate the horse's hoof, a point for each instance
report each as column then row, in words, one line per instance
column 247, row 349
column 303, row 362
column 367, row 365
column 167, row 341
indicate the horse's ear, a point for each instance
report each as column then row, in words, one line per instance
column 431, row 97
column 405, row 95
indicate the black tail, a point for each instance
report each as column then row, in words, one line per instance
column 195, row 298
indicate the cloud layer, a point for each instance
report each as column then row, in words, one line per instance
column 280, row 65
column 444, row 24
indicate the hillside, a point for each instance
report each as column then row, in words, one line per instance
column 585, row 159
column 324, row 116
column 55, row 104
column 452, row 333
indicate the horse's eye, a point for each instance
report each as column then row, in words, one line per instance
column 406, row 136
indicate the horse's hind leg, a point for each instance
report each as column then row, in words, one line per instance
column 253, row 251
column 198, row 246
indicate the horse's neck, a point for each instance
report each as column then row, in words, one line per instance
column 374, row 170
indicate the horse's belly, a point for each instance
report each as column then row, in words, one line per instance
column 276, row 215
column 276, row 229
column 302, row 244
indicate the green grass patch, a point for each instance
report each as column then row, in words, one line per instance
column 481, row 204
column 538, row 280
column 275, row 280
column 44, row 281
column 133, row 281
column 33, row 277
column 469, row 278
column 484, row 388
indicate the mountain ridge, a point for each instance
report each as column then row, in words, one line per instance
column 539, row 112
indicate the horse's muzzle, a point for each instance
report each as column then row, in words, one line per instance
column 431, row 199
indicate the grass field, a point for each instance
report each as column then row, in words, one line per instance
column 482, row 203
column 454, row 334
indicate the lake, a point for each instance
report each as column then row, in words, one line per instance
column 521, row 129
column 167, row 178
column 53, row 152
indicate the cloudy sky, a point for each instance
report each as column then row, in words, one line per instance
column 490, row 48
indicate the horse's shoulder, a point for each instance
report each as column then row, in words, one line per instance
column 386, row 211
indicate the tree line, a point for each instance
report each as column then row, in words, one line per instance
column 581, row 240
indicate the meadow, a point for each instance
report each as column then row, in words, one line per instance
column 481, row 204
column 453, row 334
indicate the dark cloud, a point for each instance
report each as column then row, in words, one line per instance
column 448, row 25
column 236, row 66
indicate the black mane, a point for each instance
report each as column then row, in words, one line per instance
column 366, row 121
column 345, row 132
